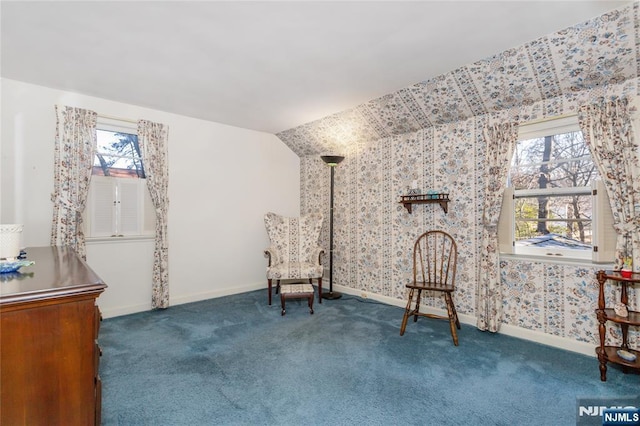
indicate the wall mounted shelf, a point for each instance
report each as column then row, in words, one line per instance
column 408, row 200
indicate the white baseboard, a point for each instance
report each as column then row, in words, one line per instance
column 180, row 300
column 125, row 310
column 509, row 330
column 549, row 340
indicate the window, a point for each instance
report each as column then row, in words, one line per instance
column 119, row 204
column 555, row 204
column 118, row 154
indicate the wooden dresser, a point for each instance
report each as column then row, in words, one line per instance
column 49, row 352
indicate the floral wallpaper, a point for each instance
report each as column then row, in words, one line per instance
column 589, row 56
column 431, row 132
column 557, row 299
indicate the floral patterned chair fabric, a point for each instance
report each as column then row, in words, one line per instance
column 294, row 252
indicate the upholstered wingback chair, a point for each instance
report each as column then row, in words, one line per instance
column 294, row 252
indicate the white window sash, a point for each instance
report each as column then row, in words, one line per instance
column 575, row 190
column 603, row 233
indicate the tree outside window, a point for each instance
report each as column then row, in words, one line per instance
column 552, row 177
column 118, row 155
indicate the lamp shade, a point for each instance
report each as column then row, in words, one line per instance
column 332, row 160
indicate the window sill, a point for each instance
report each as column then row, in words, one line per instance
column 559, row 260
column 130, row 238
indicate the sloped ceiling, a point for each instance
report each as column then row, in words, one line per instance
column 601, row 51
column 263, row 65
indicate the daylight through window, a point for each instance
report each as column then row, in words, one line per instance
column 552, row 178
column 119, row 203
column 118, row 155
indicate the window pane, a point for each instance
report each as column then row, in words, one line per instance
column 564, row 235
column 565, row 216
column 110, row 161
column 555, row 206
column 104, row 165
column 118, row 154
column 554, row 161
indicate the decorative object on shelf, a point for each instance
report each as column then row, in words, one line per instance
column 626, row 355
column 414, row 190
column 10, row 237
column 332, row 161
column 434, row 197
column 8, row 266
column 621, row 310
column 15, row 276
column 433, row 194
column 627, row 267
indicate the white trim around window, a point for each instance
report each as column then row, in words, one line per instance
column 603, row 234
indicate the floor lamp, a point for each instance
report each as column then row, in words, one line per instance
column 332, row 161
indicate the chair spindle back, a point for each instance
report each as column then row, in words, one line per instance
column 435, row 258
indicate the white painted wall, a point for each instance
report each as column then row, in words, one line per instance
column 222, row 181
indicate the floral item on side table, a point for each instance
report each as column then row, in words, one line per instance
column 627, row 267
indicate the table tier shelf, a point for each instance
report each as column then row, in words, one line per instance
column 612, row 356
column 607, row 353
column 632, row 319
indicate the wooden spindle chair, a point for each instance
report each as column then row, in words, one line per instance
column 435, row 256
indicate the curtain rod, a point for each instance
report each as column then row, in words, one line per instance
column 111, row 117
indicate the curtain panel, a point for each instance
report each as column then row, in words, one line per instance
column 75, row 147
column 500, row 140
column 152, row 138
column 608, row 130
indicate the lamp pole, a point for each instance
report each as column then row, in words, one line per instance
column 332, row 161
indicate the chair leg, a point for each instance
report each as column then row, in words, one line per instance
column 282, row 312
column 310, row 302
column 452, row 317
column 269, row 282
column 415, row 316
column 320, row 290
column 455, row 313
column 277, row 286
column 406, row 313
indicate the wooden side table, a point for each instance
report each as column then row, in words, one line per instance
column 610, row 353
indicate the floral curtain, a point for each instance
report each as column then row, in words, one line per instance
column 607, row 128
column 152, row 138
column 75, row 147
column 500, row 140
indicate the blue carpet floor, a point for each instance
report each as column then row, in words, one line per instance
column 236, row 361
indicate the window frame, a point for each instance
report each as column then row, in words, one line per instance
column 603, row 234
column 144, row 213
column 118, row 126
